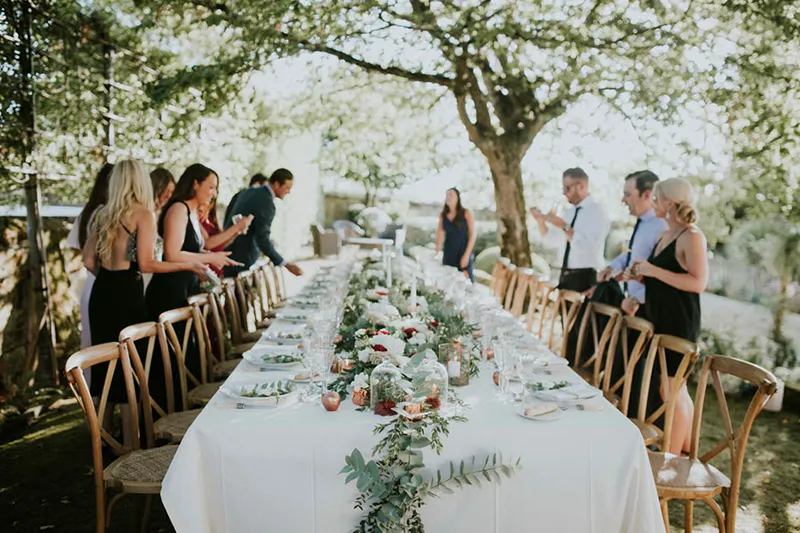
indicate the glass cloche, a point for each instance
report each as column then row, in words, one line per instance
column 385, row 388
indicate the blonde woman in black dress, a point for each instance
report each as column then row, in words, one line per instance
column 674, row 277
column 119, row 248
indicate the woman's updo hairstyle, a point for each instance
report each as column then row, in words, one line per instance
column 681, row 193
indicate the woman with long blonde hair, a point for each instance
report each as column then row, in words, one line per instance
column 118, row 250
column 674, row 277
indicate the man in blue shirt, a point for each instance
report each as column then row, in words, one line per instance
column 637, row 195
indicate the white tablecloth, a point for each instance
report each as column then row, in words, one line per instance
column 277, row 471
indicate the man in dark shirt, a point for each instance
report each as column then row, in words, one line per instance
column 258, row 180
column 259, row 202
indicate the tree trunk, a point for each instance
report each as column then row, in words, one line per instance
column 37, row 317
column 505, row 163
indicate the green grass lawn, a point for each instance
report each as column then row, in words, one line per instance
column 46, row 478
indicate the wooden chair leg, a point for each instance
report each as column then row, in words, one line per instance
column 688, row 516
column 718, row 514
column 148, row 510
column 665, row 514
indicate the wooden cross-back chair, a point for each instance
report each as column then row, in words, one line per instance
column 247, row 296
column 205, row 309
column 240, row 337
column 136, row 471
column 694, row 478
column 628, row 328
column 651, row 433
column 280, row 284
column 540, row 299
column 261, row 274
column 565, row 313
column 526, row 278
column 511, row 284
column 500, row 274
column 591, row 368
column 170, row 425
column 201, row 389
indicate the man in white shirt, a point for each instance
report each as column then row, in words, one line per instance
column 584, row 227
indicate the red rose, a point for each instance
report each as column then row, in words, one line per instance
column 434, row 324
column 380, row 348
column 433, row 403
column 382, row 332
column 381, row 293
column 385, row 407
column 409, row 332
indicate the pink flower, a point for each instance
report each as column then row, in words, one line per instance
column 385, row 407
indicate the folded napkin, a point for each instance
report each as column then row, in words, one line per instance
column 540, row 409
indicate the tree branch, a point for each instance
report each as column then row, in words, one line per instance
column 437, row 79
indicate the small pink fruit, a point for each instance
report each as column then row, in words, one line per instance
column 331, row 400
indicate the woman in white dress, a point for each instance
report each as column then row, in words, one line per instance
column 77, row 238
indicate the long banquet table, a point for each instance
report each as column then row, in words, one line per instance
column 277, row 470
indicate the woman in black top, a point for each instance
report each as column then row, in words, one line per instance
column 457, row 234
column 118, row 249
column 674, row 277
column 183, row 241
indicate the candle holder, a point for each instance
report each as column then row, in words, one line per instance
column 456, row 360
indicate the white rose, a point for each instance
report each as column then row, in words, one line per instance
column 418, row 338
column 361, row 381
column 363, row 355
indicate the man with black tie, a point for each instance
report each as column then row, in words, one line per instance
column 259, row 202
column 585, row 233
column 637, row 195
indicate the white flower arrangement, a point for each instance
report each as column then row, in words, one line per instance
column 381, row 313
column 377, row 294
column 392, row 345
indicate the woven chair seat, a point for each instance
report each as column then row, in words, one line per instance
column 225, row 368
column 140, row 471
column 677, row 473
column 202, row 394
column 173, row 426
column 650, row 433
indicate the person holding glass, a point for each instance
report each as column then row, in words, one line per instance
column 674, row 276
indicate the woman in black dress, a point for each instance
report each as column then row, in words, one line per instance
column 457, row 234
column 674, row 277
column 119, row 248
column 183, row 241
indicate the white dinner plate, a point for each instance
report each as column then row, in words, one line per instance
column 257, row 354
column 571, row 394
column 234, row 392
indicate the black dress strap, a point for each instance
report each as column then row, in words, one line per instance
column 126, row 229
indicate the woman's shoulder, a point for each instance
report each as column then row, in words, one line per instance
column 692, row 236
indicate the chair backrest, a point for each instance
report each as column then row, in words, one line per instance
column 629, row 328
column 192, row 325
column 347, row 229
column 657, row 354
column 115, row 359
column 217, row 321
column 500, row 277
column 511, row 284
column 247, row 295
column 280, row 282
column 234, row 315
column 735, row 440
column 110, row 355
column 316, row 234
column 208, row 325
column 141, row 367
column 565, row 311
column 541, row 292
column 594, row 314
column 522, row 291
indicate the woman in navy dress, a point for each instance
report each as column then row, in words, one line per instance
column 456, row 235
column 674, row 277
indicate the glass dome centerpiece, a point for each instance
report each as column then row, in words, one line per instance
column 386, row 388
